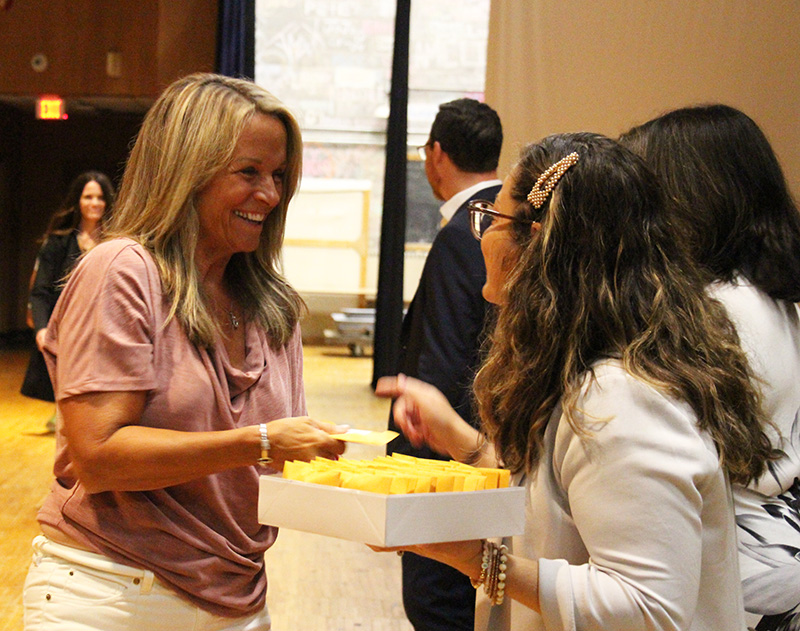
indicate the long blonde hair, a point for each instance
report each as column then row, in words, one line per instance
column 188, row 136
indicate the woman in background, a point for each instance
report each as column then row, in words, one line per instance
column 732, row 207
column 615, row 390
column 74, row 229
column 176, row 359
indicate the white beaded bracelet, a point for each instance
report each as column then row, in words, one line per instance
column 265, row 459
column 484, row 566
column 494, row 563
column 500, row 592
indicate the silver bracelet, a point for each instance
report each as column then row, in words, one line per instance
column 265, row 459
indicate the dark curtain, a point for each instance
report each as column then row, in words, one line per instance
column 236, row 38
column 389, row 305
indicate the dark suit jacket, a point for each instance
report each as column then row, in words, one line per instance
column 442, row 331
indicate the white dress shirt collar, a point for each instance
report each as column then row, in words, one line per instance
column 449, row 208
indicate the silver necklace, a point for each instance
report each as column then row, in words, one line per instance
column 234, row 320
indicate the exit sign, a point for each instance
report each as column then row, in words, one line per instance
column 50, row 108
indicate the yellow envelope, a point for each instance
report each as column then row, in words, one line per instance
column 397, row 474
column 407, row 458
column 329, row 477
column 366, row 437
column 296, row 470
column 368, row 482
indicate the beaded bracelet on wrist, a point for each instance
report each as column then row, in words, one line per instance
column 484, row 566
column 500, row 592
column 494, row 562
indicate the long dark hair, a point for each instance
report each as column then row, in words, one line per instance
column 730, row 199
column 68, row 216
column 606, row 278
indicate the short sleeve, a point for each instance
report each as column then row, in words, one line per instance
column 102, row 331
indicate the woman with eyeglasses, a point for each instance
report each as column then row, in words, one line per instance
column 615, row 390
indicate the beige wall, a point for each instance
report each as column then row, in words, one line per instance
column 605, row 65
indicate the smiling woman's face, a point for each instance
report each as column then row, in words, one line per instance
column 92, row 203
column 500, row 250
column 234, row 204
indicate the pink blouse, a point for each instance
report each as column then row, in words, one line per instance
column 202, row 538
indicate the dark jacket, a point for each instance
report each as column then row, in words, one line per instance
column 55, row 259
column 442, row 332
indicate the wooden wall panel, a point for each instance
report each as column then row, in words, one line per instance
column 156, row 41
column 75, row 36
column 187, row 38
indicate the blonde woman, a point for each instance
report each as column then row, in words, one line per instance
column 177, row 365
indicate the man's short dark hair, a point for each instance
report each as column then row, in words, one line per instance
column 470, row 133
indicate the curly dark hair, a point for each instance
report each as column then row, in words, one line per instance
column 605, row 277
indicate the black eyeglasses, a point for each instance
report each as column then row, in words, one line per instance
column 481, row 213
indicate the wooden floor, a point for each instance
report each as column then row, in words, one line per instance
column 315, row 583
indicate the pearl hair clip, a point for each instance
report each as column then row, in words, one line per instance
column 547, row 180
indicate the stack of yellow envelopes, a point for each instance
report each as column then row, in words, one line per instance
column 397, row 474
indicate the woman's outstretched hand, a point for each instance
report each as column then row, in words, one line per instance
column 424, row 414
column 303, row 438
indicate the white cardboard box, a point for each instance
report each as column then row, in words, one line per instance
column 390, row 520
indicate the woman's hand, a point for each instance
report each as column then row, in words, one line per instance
column 111, row 451
column 426, row 417
column 40, row 335
column 465, row 556
column 302, row 438
column 522, row 575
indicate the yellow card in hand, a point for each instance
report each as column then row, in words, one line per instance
column 366, row 437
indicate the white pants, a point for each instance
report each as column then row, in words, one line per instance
column 74, row 590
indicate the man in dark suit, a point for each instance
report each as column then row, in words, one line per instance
column 442, row 331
